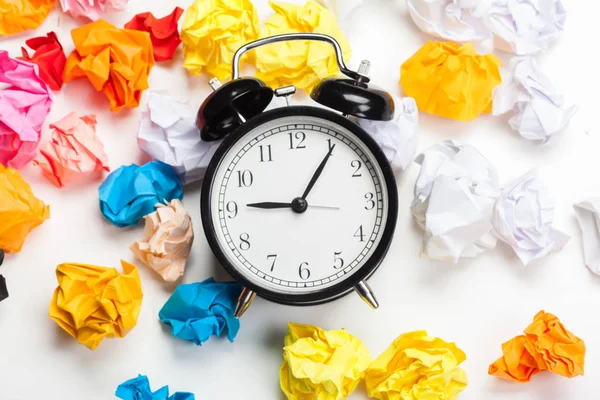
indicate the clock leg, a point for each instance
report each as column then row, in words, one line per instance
column 365, row 293
column 244, row 301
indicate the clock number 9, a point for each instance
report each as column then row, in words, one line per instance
column 232, row 209
column 370, row 202
column 300, row 136
column 245, row 178
column 245, row 241
column 336, row 259
column 304, row 272
column 356, row 164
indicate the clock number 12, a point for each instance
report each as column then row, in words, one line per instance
column 297, row 140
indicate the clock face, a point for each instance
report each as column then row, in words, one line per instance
column 262, row 227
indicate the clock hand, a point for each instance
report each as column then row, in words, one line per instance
column 268, row 205
column 317, row 173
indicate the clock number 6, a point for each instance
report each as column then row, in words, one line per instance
column 245, row 241
column 304, row 272
column 245, row 178
column 274, row 257
column 300, row 136
column 336, row 259
column 356, row 164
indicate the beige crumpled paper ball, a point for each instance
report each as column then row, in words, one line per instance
column 167, row 240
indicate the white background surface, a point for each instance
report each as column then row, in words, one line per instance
column 478, row 304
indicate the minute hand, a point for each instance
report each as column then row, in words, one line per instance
column 317, row 173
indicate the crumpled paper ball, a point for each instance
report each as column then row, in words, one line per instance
column 92, row 302
column 139, row 389
column 21, row 15
column 74, row 152
column 451, row 80
column 131, row 192
column 588, row 217
column 299, row 63
column 115, row 61
column 213, row 30
column 91, row 10
column 167, row 240
column 454, row 197
column 49, row 57
column 168, row 133
column 417, row 367
column 20, row 210
column 523, row 216
column 538, row 110
column 197, row 311
column 550, row 347
column 455, row 20
column 397, row 138
column 163, row 32
column 320, row 364
column 24, row 105
column 526, row 26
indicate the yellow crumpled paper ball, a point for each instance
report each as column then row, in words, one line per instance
column 213, row 30
column 417, row 367
column 20, row 15
column 321, row 365
column 451, row 80
column 92, row 302
column 299, row 63
column 20, row 210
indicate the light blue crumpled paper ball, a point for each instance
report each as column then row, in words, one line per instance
column 139, row 389
column 131, row 192
column 199, row 310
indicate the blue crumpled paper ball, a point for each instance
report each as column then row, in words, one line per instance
column 199, row 310
column 131, row 192
column 139, row 389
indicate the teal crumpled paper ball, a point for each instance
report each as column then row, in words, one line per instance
column 131, row 192
column 139, row 389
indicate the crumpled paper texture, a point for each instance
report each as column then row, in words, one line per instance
column 21, row 15
column 525, row 27
column 588, row 217
column 74, row 152
column 139, row 389
column 116, row 61
column 168, row 133
column 92, row 302
column 397, row 138
column 450, row 80
column 549, row 346
column 299, row 63
column 91, row 10
column 197, row 311
column 167, row 240
column 49, row 57
column 213, row 30
column 453, row 200
column 24, row 105
column 538, row 110
column 20, row 210
column 523, row 216
column 163, row 32
column 131, row 192
column 455, row 20
column 320, row 364
column 416, row 367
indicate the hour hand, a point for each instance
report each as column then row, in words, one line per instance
column 269, row 205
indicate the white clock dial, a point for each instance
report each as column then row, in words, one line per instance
column 298, row 252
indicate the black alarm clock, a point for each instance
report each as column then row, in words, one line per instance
column 299, row 203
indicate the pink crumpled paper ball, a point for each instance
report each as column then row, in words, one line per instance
column 91, row 9
column 74, row 152
column 24, row 105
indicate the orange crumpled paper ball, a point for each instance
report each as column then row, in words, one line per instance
column 115, row 61
column 49, row 57
column 451, row 80
column 20, row 210
column 21, row 15
column 163, row 32
column 546, row 345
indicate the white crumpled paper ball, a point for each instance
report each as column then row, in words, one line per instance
column 538, row 111
column 168, row 133
column 397, row 138
column 454, row 196
column 168, row 238
column 525, row 27
column 588, row 216
column 523, row 216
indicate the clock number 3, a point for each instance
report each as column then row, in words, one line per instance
column 303, row 271
column 297, row 140
column 370, row 202
column 245, row 178
column 245, row 241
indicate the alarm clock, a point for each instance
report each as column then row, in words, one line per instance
column 299, row 204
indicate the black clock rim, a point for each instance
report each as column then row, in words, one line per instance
column 370, row 266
